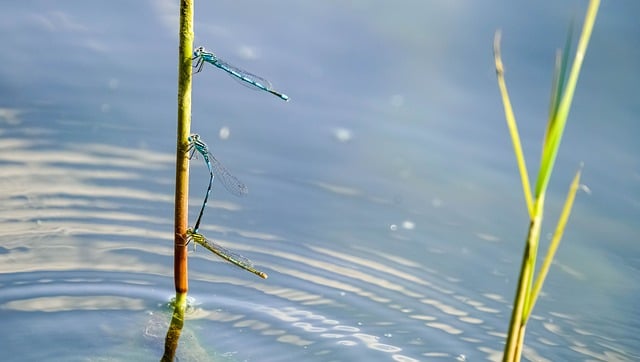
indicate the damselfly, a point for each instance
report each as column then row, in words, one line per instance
column 226, row 254
column 200, row 56
column 230, row 182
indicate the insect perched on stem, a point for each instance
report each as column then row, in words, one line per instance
column 230, row 182
column 224, row 253
column 200, row 56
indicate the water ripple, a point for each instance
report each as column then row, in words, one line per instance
column 87, row 230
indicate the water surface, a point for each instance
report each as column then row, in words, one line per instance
column 384, row 200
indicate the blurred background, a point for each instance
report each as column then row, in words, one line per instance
column 384, row 199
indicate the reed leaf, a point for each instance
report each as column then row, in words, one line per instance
column 512, row 124
column 559, row 118
column 563, row 89
column 555, row 242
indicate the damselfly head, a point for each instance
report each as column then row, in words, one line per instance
column 199, row 50
column 193, row 138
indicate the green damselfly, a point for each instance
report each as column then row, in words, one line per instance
column 224, row 253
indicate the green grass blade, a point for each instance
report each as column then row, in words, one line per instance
column 560, row 77
column 528, row 288
column 555, row 90
column 559, row 82
column 553, row 124
column 555, row 242
column 558, row 122
column 513, row 127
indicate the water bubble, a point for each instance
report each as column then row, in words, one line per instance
column 408, row 224
column 393, row 227
column 248, row 52
column 342, row 134
column 224, row 133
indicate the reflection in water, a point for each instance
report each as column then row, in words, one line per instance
column 66, row 303
column 344, row 335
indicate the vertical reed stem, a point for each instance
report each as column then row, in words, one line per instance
column 182, row 161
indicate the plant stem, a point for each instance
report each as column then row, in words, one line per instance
column 517, row 325
column 182, row 161
column 555, row 242
column 175, row 329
